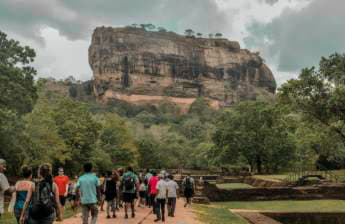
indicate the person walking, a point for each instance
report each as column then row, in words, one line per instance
column 62, row 181
column 142, row 194
column 102, row 198
column 162, row 191
column 89, row 187
column 72, row 195
column 153, row 189
column 147, row 178
column 110, row 193
column 172, row 195
column 4, row 185
column 119, row 200
column 43, row 199
column 188, row 189
column 130, row 184
column 19, row 197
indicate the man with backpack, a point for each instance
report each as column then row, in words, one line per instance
column 188, row 188
column 89, row 187
column 130, row 184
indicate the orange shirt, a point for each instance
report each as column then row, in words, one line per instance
column 61, row 182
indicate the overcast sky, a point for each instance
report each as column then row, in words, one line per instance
column 290, row 34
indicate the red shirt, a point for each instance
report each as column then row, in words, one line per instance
column 153, row 183
column 61, row 182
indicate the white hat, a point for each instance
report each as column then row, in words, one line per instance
column 2, row 162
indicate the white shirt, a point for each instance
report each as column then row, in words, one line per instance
column 185, row 181
column 172, row 188
column 162, row 187
column 4, row 186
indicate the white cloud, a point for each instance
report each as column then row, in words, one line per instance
column 60, row 30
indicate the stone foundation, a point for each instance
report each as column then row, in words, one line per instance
column 275, row 193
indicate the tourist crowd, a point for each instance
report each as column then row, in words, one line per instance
column 42, row 200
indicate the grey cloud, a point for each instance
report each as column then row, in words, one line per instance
column 300, row 38
column 271, row 2
column 76, row 19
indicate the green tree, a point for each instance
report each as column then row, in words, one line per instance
column 219, row 35
column 199, row 35
column 148, row 150
column 193, row 129
column 189, row 32
column 150, row 26
column 17, row 97
column 201, row 108
column 78, row 129
column 162, row 29
column 117, row 140
column 46, row 143
column 13, row 141
column 17, row 90
column 256, row 132
column 319, row 95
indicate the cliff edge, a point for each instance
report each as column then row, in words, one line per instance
column 141, row 66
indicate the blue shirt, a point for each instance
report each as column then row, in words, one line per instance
column 88, row 184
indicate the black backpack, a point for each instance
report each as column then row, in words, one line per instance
column 43, row 201
column 188, row 183
column 129, row 183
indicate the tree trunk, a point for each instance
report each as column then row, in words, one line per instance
column 259, row 164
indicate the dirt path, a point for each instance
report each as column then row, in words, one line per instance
column 182, row 216
column 143, row 216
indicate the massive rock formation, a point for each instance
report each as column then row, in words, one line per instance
column 139, row 66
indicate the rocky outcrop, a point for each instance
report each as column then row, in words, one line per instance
column 140, row 66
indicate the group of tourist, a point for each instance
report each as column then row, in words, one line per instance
column 42, row 201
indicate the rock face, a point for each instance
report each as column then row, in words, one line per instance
column 140, row 66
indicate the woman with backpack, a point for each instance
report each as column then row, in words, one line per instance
column 22, row 189
column 43, row 198
column 110, row 191
column 188, row 189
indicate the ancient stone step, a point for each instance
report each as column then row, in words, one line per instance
column 254, row 217
column 201, row 200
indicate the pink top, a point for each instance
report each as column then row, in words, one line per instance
column 152, row 184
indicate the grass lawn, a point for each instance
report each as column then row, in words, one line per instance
column 287, row 206
column 217, row 215
column 234, row 186
column 340, row 174
column 8, row 218
column 279, row 177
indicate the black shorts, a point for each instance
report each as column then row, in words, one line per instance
column 72, row 197
column 128, row 197
column 142, row 194
column 62, row 200
column 188, row 192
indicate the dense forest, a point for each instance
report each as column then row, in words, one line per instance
column 304, row 127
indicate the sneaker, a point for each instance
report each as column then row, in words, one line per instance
column 114, row 216
column 108, row 216
column 126, row 216
column 156, row 220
